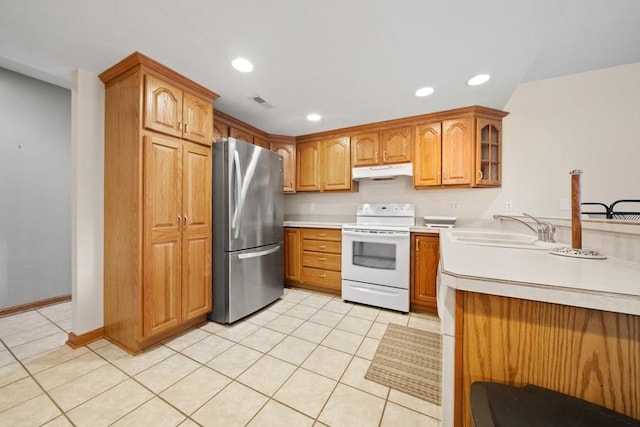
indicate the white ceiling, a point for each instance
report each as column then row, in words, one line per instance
column 352, row 61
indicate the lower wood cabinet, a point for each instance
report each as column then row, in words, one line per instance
column 425, row 255
column 313, row 258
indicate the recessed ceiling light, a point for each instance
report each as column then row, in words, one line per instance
column 478, row 80
column 313, row 117
column 242, row 65
column 424, row 91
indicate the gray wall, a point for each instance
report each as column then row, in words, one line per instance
column 35, row 190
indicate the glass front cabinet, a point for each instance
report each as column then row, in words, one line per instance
column 488, row 153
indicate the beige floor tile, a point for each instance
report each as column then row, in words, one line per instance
column 133, row 365
column 52, row 358
column 368, row 348
column 316, row 301
column 327, row 318
column 81, row 389
column 425, row 324
column 166, row 373
column 238, row 331
column 66, row 325
column 354, row 376
column 194, row 390
column 18, row 392
column 187, row 339
column 293, row 350
column 267, row 374
column 387, row 316
column 377, row 330
column 235, row 360
column 349, row 407
column 6, row 358
column 328, row 362
column 281, row 306
column 233, row 406
column 60, row 421
column 262, row 317
column 419, row 405
column 313, row 332
column 263, row 339
column 306, row 391
column 111, row 352
column 23, row 337
column 296, row 296
column 154, row 413
column 396, row 415
column 276, row 414
column 319, row 424
column 41, row 345
column 57, row 313
column 69, row 370
column 205, row 350
column 338, row 306
column 22, row 322
column 303, row 312
column 285, row 324
column 34, row 412
column 189, row 423
column 212, row 327
column 11, row 373
column 343, row 341
column 364, row 312
column 110, row 406
column 354, row 325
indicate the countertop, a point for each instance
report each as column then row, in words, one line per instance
column 337, row 221
column 610, row 284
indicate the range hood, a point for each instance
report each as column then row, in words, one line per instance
column 382, row 172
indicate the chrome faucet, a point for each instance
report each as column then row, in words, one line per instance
column 545, row 230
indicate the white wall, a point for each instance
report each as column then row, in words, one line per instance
column 587, row 121
column 35, row 190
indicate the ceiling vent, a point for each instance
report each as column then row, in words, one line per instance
column 261, row 101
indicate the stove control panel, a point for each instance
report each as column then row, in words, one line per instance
column 386, row 210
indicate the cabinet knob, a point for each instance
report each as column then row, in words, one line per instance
column 180, row 126
column 322, row 234
column 322, row 276
column 322, row 246
column 186, row 128
column 384, row 155
column 322, row 259
column 480, row 175
column 179, row 221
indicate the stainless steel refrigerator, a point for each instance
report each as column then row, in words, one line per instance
column 248, row 233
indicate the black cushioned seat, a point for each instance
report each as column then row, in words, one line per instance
column 501, row 405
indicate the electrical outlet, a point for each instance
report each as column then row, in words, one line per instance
column 508, row 206
column 453, row 206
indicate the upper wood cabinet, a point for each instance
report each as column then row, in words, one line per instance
column 261, row 142
column 427, row 160
column 288, row 153
column 323, row 165
column 241, row 135
column 457, row 151
column 488, row 153
column 157, row 219
column 386, row 147
column 172, row 111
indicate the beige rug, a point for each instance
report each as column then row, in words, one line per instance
column 408, row 360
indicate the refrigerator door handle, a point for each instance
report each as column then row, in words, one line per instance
column 238, row 199
column 259, row 253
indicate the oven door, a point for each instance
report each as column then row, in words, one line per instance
column 374, row 256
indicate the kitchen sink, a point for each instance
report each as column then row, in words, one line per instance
column 500, row 239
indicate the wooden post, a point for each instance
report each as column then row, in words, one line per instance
column 576, row 212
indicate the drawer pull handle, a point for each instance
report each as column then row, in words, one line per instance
column 322, row 276
column 322, row 259
column 322, row 246
column 322, row 234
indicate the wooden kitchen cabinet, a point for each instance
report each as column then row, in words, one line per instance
column 386, row 147
column 488, row 153
column 292, row 254
column 427, row 160
column 241, row 135
column 261, row 142
column 157, row 222
column 173, row 111
column 288, row 153
column 425, row 255
column 457, row 151
column 324, row 165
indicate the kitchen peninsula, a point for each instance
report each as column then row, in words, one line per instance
column 523, row 316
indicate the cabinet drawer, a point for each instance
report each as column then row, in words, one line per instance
column 322, row 246
column 320, row 260
column 322, row 234
column 320, row 277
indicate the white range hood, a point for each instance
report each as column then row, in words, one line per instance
column 382, row 172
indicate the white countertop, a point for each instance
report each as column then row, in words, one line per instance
column 337, row 221
column 610, row 284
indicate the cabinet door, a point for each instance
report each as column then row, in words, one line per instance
column 336, row 164
column 260, row 142
column 162, row 107
column 162, row 207
column 456, row 151
column 308, row 166
column 364, row 149
column 488, row 170
column 196, row 231
column 292, row 263
column 241, row 135
column 427, row 161
column 198, row 119
column 220, row 130
column 288, row 153
column 425, row 267
column 396, row 145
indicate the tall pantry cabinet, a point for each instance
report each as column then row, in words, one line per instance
column 157, row 251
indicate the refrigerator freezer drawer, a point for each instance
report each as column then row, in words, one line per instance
column 376, row 295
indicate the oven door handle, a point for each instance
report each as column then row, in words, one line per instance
column 393, row 234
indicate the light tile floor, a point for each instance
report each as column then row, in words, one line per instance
column 299, row 362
